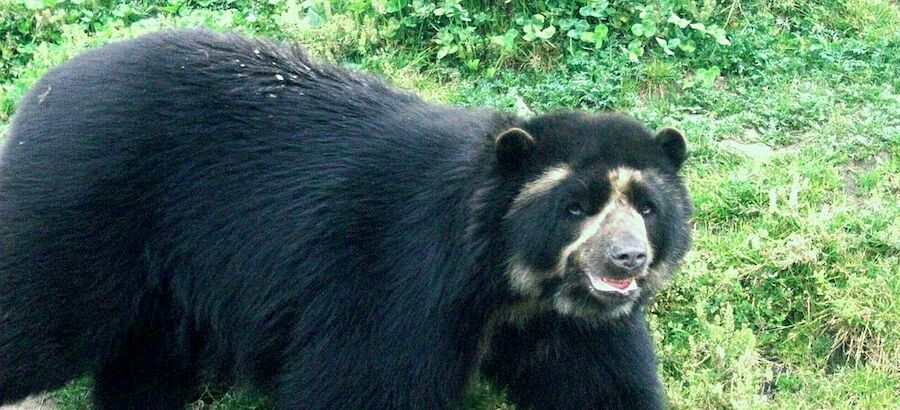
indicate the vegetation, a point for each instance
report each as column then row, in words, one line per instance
column 791, row 295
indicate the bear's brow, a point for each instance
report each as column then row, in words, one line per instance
column 622, row 178
column 546, row 182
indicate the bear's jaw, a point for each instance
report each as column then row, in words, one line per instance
column 613, row 306
column 594, row 297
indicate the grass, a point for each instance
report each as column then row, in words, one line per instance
column 790, row 297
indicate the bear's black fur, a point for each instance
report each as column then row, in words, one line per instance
column 190, row 203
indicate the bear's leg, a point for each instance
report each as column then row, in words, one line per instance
column 33, row 358
column 154, row 368
column 337, row 376
column 144, row 375
column 556, row 362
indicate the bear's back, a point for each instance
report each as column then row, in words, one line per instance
column 191, row 156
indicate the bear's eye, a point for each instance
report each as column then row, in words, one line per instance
column 647, row 209
column 575, row 209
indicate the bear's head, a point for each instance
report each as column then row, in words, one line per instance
column 600, row 217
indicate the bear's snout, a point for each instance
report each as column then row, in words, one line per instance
column 627, row 257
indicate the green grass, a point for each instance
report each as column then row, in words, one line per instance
column 790, row 297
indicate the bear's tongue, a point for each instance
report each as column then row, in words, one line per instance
column 611, row 285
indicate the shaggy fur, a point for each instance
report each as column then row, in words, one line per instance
column 189, row 203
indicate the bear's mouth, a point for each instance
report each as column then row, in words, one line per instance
column 604, row 284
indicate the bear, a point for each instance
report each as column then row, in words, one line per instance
column 191, row 206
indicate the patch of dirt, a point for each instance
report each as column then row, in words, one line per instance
column 757, row 152
column 857, row 167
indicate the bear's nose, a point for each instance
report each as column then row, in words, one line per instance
column 629, row 258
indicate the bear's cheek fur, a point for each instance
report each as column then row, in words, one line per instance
column 537, row 238
column 539, row 242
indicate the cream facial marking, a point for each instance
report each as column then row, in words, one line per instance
column 547, row 181
column 627, row 219
column 590, row 228
column 522, row 279
column 624, row 214
column 621, row 310
column 563, row 304
column 568, row 307
column 621, row 223
column 621, row 177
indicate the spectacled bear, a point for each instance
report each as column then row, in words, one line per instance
column 189, row 204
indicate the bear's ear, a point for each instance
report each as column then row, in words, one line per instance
column 672, row 143
column 513, row 147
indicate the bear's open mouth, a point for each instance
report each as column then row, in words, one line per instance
column 606, row 284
